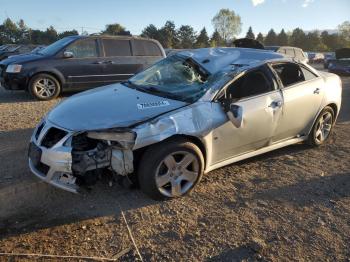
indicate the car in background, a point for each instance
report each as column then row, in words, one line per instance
column 327, row 58
column 340, row 65
column 79, row 62
column 315, row 58
column 16, row 50
column 292, row 52
column 188, row 114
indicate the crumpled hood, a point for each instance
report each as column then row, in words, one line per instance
column 108, row 107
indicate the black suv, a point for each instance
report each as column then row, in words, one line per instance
column 77, row 62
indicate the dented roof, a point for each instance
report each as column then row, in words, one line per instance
column 218, row 59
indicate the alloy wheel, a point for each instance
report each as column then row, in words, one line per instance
column 177, row 173
column 45, row 87
column 323, row 127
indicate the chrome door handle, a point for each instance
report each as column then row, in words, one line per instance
column 275, row 104
column 317, row 91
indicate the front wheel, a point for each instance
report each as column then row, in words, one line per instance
column 44, row 87
column 322, row 128
column 170, row 169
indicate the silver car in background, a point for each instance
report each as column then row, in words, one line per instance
column 187, row 115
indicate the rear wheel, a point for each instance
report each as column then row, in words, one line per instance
column 322, row 128
column 44, row 87
column 170, row 169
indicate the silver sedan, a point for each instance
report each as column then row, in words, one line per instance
column 190, row 113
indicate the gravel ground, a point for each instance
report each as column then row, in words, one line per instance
column 290, row 204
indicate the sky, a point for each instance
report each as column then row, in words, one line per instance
column 92, row 15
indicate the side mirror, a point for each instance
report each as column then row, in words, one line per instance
column 68, row 54
column 235, row 114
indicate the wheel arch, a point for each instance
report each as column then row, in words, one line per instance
column 195, row 140
column 52, row 73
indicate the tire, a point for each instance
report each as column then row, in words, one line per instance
column 322, row 127
column 161, row 178
column 44, row 87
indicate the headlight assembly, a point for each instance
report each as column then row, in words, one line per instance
column 14, row 68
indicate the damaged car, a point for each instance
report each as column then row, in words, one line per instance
column 188, row 114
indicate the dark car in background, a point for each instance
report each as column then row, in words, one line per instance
column 79, row 62
column 328, row 57
column 12, row 50
column 341, row 64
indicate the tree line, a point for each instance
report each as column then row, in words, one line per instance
column 227, row 26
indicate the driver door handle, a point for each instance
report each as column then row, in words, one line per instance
column 317, row 91
column 275, row 104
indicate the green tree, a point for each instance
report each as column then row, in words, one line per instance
column 344, row 30
column 216, row 40
column 9, row 32
column 115, row 29
column 227, row 23
column 298, row 38
column 202, row 39
column 168, row 35
column 68, row 33
column 260, row 38
column 151, row 31
column 271, row 38
column 282, row 38
column 250, row 33
column 313, row 41
column 23, row 33
column 186, row 36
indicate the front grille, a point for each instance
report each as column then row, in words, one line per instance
column 42, row 168
column 53, row 136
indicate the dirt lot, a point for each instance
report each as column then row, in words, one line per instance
column 291, row 204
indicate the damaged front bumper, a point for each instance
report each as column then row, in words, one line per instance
column 65, row 159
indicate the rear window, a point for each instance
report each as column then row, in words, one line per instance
column 299, row 54
column 116, row 47
column 146, row 48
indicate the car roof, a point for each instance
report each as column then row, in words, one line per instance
column 221, row 58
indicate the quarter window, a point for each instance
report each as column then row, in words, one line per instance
column 146, row 48
column 289, row 73
column 308, row 75
column 83, row 48
column 116, row 47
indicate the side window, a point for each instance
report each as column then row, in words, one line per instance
column 146, row 48
column 252, row 83
column 116, row 47
column 289, row 73
column 83, row 48
column 308, row 75
column 290, row 52
column 299, row 54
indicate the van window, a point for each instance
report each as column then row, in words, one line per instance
column 83, row 48
column 146, row 48
column 253, row 83
column 290, row 52
column 116, row 47
column 289, row 73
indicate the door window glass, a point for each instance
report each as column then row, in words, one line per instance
column 253, row 83
column 83, row 48
column 290, row 52
column 289, row 73
column 116, row 47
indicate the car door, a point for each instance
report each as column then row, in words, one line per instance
column 119, row 62
column 84, row 68
column 302, row 96
column 259, row 100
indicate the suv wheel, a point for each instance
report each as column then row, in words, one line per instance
column 44, row 87
column 322, row 128
column 170, row 169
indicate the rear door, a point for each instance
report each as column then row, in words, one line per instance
column 84, row 69
column 302, row 96
column 119, row 63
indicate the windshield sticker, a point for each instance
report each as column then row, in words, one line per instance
column 152, row 104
